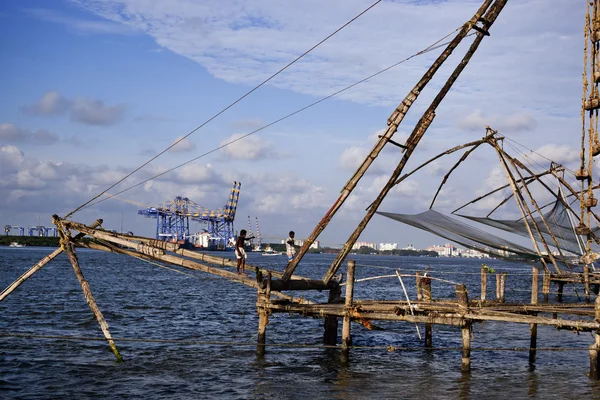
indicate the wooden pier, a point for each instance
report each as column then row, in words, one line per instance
column 468, row 307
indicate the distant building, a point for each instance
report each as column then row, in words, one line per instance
column 409, row 247
column 300, row 242
column 388, row 246
column 370, row 245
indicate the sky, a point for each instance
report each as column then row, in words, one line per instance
column 93, row 89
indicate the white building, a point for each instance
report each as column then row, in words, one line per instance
column 388, row 246
column 370, row 245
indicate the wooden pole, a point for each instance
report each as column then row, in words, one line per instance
column 535, row 277
column 546, row 285
column 595, row 348
column 346, row 337
column 484, row 274
column 561, row 286
column 502, row 285
column 39, row 265
column 419, row 283
column 586, row 282
column 89, row 297
column 498, row 284
column 394, row 121
column 263, row 320
column 463, row 307
column 331, row 321
column 426, row 284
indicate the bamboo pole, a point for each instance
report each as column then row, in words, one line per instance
column 393, row 122
column 415, row 137
column 89, row 297
column 346, row 337
column 517, row 164
column 522, row 205
column 10, row 288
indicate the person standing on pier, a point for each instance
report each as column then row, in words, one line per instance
column 240, row 252
column 289, row 246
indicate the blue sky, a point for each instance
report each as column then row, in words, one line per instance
column 91, row 89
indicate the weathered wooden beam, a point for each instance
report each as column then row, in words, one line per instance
column 89, row 297
column 414, row 139
column 393, row 122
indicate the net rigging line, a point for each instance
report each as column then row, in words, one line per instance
column 428, row 49
column 226, row 108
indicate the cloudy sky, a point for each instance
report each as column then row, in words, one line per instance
column 92, row 89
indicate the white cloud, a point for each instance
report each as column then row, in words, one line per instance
column 87, row 111
column 95, row 112
column 184, row 145
column 12, row 134
column 248, row 148
column 51, row 103
column 477, row 121
column 78, row 25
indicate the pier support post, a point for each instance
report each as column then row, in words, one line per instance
column 346, row 337
column 426, row 285
column 331, row 321
column 561, row 286
column 463, row 306
column 535, row 277
column 263, row 317
column 89, row 297
column 586, row 282
column 500, row 285
column 419, row 283
column 484, row 275
column 595, row 348
column 546, row 286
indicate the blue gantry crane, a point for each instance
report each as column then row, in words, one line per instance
column 173, row 222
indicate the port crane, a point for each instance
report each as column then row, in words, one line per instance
column 173, row 221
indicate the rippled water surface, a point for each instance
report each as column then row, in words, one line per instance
column 144, row 301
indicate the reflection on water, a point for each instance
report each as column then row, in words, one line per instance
column 143, row 301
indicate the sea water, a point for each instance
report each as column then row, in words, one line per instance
column 204, row 331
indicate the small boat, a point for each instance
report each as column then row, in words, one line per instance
column 16, row 244
column 268, row 251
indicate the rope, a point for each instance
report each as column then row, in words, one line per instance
column 432, row 47
column 289, row 345
column 226, row 108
